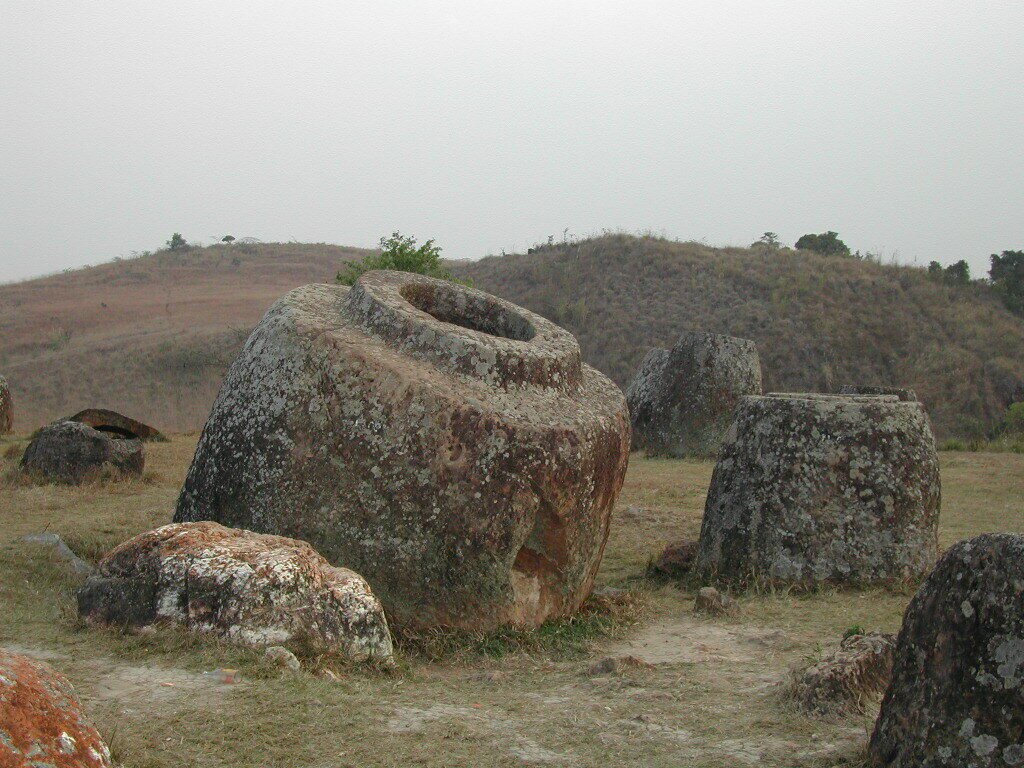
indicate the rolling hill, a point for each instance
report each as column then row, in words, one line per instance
column 152, row 336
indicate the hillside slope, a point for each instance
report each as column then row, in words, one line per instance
column 152, row 336
column 819, row 322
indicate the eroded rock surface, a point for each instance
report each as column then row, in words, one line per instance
column 814, row 489
column 845, row 680
column 118, row 424
column 903, row 393
column 682, row 400
column 249, row 588
column 676, row 560
column 71, row 452
column 957, row 693
column 6, row 407
column 446, row 444
column 41, row 721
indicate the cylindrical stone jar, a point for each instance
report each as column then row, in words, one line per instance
column 683, row 400
column 815, row 489
column 956, row 697
column 444, row 443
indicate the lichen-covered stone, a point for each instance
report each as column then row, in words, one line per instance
column 71, row 452
column 41, row 721
column 682, row 400
column 711, row 602
column 956, row 699
column 448, row 445
column 903, row 393
column 250, row 588
column 848, row 678
column 118, row 424
column 6, row 407
column 813, row 489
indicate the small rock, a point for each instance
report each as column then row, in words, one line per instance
column 612, row 665
column 63, row 552
column 677, row 559
column 844, row 680
column 326, row 673
column 281, row 656
column 714, row 603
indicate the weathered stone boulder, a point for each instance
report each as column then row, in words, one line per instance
column 446, row 444
column 70, row 452
column 903, row 393
column 956, row 697
column 118, row 424
column 250, row 588
column 813, row 489
column 682, row 400
column 6, row 407
column 41, row 721
column 676, row 560
column 847, row 679
column 710, row 602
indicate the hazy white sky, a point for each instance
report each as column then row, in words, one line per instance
column 492, row 125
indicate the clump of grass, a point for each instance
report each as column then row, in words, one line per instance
column 600, row 616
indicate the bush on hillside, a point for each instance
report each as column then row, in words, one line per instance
column 1007, row 275
column 827, row 244
column 958, row 274
column 177, row 242
column 399, row 253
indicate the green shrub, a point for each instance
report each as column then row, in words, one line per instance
column 827, row 244
column 399, row 253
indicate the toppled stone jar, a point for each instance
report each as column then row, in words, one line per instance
column 41, row 721
column 957, row 692
column 249, row 588
column 444, row 443
column 683, row 400
column 71, row 452
column 813, row 489
column 115, row 423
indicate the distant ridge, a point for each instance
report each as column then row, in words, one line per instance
column 152, row 336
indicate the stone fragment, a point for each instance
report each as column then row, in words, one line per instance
column 682, row 400
column 711, row 602
column 71, row 452
column 118, row 424
column 957, row 692
column 903, row 393
column 41, row 720
column 250, row 588
column 62, row 551
column 448, row 445
column 278, row 654
column 813, row 489
column 676, row 560
column 6, row 407
column 847, row 679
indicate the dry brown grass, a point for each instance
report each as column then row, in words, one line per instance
column 708, row 700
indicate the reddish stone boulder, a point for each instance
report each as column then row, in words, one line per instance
column 41, row 721
column 676, row 560
column 249, row 588
column 118, row 424
column 956, row 698
column 447, row 444
column 6, row 407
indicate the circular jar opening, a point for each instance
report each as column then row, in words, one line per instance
column 450, row 305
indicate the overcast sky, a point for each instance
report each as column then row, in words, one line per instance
column 489, row 126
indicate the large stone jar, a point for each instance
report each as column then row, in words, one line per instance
column 956, row 697
column 444, row 443
column 682, row 400
column 813, row 489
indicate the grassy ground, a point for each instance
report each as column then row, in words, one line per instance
column 706, row 695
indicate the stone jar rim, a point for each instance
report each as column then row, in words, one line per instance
column 464, row 330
